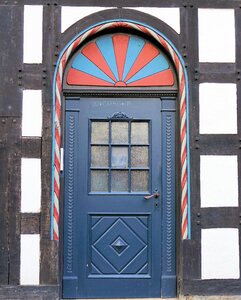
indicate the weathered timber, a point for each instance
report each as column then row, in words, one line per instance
column 238, row 64
column 32, row 76
column 14, row 193
column 213, row 144
column 31, row 147
column 3, row 201
column 30, row 223
column 214, row 217
column 212, row 287
column 217, row 72
column 47, row 292
column 139, row 3
column 49, row 249
column 188, row 44
column 191, row 266
column 11, row 60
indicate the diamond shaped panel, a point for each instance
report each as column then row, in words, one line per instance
column 119, row 245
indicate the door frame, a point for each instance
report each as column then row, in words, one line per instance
column 167, row 247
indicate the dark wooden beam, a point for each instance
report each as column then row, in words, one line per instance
column 49, row 249
column 212, row 287
column 14, row 194
column 217, row 72
column 30, row 223
column 191, row 265
column 216, row 144
column 32, row 76
column 46, row 292
column 11, row 56
column 31, row 147
column 4, row 201
column 137, row 3
column 216, row 217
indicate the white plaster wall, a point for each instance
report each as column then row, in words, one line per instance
column 218, row 108
column 71, row 15
column 219, row 180
column 170, row 16
column 32, row 113
column 216, row 35
column 29, row 259
column 33, row 23
column 31, row 185
column 220, row 253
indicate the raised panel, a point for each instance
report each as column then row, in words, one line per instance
column 119, row 246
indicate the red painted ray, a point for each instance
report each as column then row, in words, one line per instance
column 120, row 43
column 120, row 83
column 76, row 77
column 92, row 52
column 159, row 79
column 146, row 55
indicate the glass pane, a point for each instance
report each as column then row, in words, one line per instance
column 139, row 133
column 119, row 157
column 100, row 132
column 99, row 156
column 139, row 157
column 99, row 181
column 139, row 181
column 119, row 181
column 119, row 132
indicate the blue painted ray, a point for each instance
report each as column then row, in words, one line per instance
column 105, row 44
column 158, row 64
column 83, row 64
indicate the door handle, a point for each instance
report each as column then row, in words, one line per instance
column 156, row 194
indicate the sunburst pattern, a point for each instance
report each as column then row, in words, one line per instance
column 120, row 60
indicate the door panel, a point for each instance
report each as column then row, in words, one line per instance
column 119, row 246
column 112, row 234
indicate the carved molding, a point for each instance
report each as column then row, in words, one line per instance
column 70, row 194
column 119, row 115
column 169, row 217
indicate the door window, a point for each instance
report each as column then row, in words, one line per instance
column 119, row 156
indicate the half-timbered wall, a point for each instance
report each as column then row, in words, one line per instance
column 32, row 34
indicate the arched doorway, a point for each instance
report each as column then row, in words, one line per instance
column 119, row 194
column 75, row 283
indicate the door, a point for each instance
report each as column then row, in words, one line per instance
column 114, row 235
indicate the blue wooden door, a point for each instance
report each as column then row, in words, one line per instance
column 115, row 242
